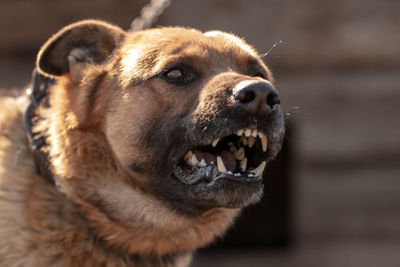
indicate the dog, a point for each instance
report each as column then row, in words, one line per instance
column 152, row 143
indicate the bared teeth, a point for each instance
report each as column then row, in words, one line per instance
column 188, row 155
column 243, row 164
column 202, row 163
column 264, row 141
column 215, row 142
column 247, row 137
column 252, row 140
column 259, row 170
column 193, row 160
column 239, row 154
column 220, row 164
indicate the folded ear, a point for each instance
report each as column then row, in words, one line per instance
column 81, row 43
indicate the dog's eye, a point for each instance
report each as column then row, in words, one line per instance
column 179, row 75
column 175, row 74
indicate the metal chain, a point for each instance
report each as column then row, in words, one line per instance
column 149, row 14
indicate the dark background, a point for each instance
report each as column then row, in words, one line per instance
column 337, row 70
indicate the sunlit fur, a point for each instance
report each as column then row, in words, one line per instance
column 101, row 109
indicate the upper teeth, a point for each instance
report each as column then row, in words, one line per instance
column 264, row 141
column 215, row 142
column 248, row 137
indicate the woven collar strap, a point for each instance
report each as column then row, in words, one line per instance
column 37, row 141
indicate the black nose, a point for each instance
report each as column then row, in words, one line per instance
column 256, row 97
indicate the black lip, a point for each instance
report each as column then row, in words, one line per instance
column 209, row 175
column 244, row 179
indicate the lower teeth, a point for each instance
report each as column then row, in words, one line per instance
column 222, row 169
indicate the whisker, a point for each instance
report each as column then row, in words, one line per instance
column 266, row 53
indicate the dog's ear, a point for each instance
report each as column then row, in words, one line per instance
column 76, row 45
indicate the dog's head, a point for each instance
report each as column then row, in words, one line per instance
column 187, row 117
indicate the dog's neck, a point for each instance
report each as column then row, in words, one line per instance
column 38, row 97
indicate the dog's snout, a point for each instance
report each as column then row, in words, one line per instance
column 256, row 96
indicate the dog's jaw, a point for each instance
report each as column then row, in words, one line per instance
column 205, row 181
column 188, row 233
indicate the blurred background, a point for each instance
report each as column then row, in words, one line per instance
column 333, row 196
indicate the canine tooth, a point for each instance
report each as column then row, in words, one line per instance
column 221, row 166
column 247, row 132
column 240, row 132
column 193, row 160
column 259, row 170
column 243, row 164
column 264, row 141
column 215, row 142
column 202, row 163
column 252, row 140
column 244, row 140
column 254, row 133
column 239, row 155
column 188, row 155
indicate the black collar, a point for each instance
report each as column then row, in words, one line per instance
column 38, row 97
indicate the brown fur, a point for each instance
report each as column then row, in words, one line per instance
column 103, row 111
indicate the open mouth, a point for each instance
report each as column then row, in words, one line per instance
column 241, row 156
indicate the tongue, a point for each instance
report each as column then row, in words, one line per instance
column 227, row 157
column 229, row 160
